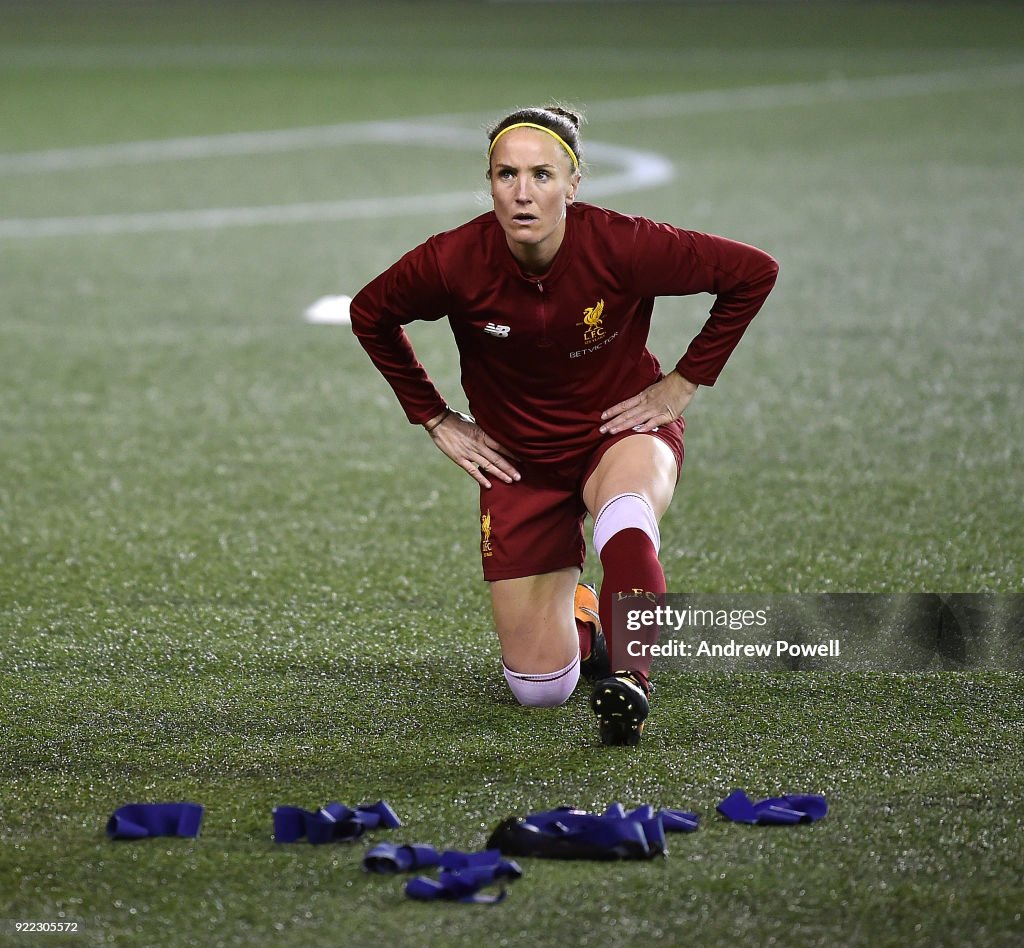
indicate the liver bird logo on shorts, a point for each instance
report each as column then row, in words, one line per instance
column 592, row 317
column 485, row 533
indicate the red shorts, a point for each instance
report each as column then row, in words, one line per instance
column 536, row 524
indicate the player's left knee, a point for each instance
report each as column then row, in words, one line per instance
column 547, row 690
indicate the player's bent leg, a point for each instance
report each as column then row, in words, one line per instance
column 628, row 492
column 534, row 619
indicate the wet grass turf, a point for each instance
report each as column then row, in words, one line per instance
column 922, row 773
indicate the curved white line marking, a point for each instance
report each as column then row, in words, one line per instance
column 414, row 132
column 634, row 170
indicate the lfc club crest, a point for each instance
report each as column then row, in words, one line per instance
column 592, row 317
column 485, row 534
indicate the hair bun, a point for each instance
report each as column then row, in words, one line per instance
column 573, row 118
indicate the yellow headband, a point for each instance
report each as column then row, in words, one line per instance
column 540, row 128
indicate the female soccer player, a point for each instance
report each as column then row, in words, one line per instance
column 550, row 303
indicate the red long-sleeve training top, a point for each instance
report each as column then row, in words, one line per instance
column 542, row 357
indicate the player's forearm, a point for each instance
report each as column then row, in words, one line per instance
column 393, row 356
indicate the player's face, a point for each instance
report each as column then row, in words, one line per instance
column 532, row 181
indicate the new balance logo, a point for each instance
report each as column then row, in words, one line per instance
column 498, row 330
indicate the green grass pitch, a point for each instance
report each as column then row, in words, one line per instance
column 231, row 573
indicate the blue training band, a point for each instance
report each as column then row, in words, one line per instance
column 334, row 822
column 462, row 877
column 773, row 811
column 566, row 833
column 143, row 820
column 389, row 859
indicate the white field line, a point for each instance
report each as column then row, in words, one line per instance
column 635, row 169
column 793, row 94
column 426, row 128
column 413, row 132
